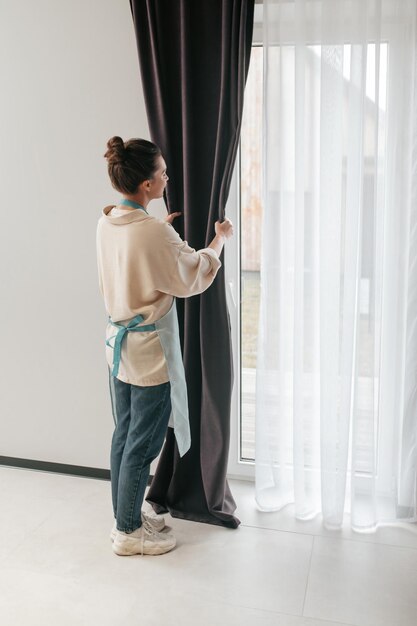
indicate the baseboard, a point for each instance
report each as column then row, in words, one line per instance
column 58, row 468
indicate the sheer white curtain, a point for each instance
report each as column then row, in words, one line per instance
column 336, row 390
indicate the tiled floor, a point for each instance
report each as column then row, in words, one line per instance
column 57, row 567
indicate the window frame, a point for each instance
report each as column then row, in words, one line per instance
column 238, row 467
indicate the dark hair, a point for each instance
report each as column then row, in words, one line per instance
column 130, row 162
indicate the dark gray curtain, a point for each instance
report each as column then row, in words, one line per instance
column 194, row 58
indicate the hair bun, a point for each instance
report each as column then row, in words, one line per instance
column 116, row 151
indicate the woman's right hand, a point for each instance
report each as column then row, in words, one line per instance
column 224, row 229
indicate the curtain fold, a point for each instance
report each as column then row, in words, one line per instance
column 194, row 59
column 336, row 395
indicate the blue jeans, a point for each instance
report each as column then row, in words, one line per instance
column 141, row 416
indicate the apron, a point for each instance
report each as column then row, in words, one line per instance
column 168, row 333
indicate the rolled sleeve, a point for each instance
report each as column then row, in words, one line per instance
column 192, row 271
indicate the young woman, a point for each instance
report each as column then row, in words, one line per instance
column 143, row 265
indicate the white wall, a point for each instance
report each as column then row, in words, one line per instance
column 69, row 77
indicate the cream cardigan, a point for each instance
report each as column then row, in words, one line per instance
column 142, row 264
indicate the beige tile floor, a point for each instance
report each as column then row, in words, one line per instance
column 57, row 566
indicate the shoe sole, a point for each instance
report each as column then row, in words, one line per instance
column 121, row 550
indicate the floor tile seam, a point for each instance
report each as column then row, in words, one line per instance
column 358, row 541
column 279, row 613
column 330, row 621
column 308, row 574
column 279, row 530
column 235, row 605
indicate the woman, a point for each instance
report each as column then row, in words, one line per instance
column 143, row 265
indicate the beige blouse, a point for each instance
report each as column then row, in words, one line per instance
column 142, row 264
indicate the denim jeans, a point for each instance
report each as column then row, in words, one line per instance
column 141, row 416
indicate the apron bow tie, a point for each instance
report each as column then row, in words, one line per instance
column 133, row 326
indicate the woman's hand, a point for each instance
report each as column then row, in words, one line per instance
column 171, row 217
column 224, row 229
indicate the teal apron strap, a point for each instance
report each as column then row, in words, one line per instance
column 119, row 336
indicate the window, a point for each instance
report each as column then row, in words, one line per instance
column 251, row 223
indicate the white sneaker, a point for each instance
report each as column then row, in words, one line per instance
column 156, row 521
column 143, row 540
